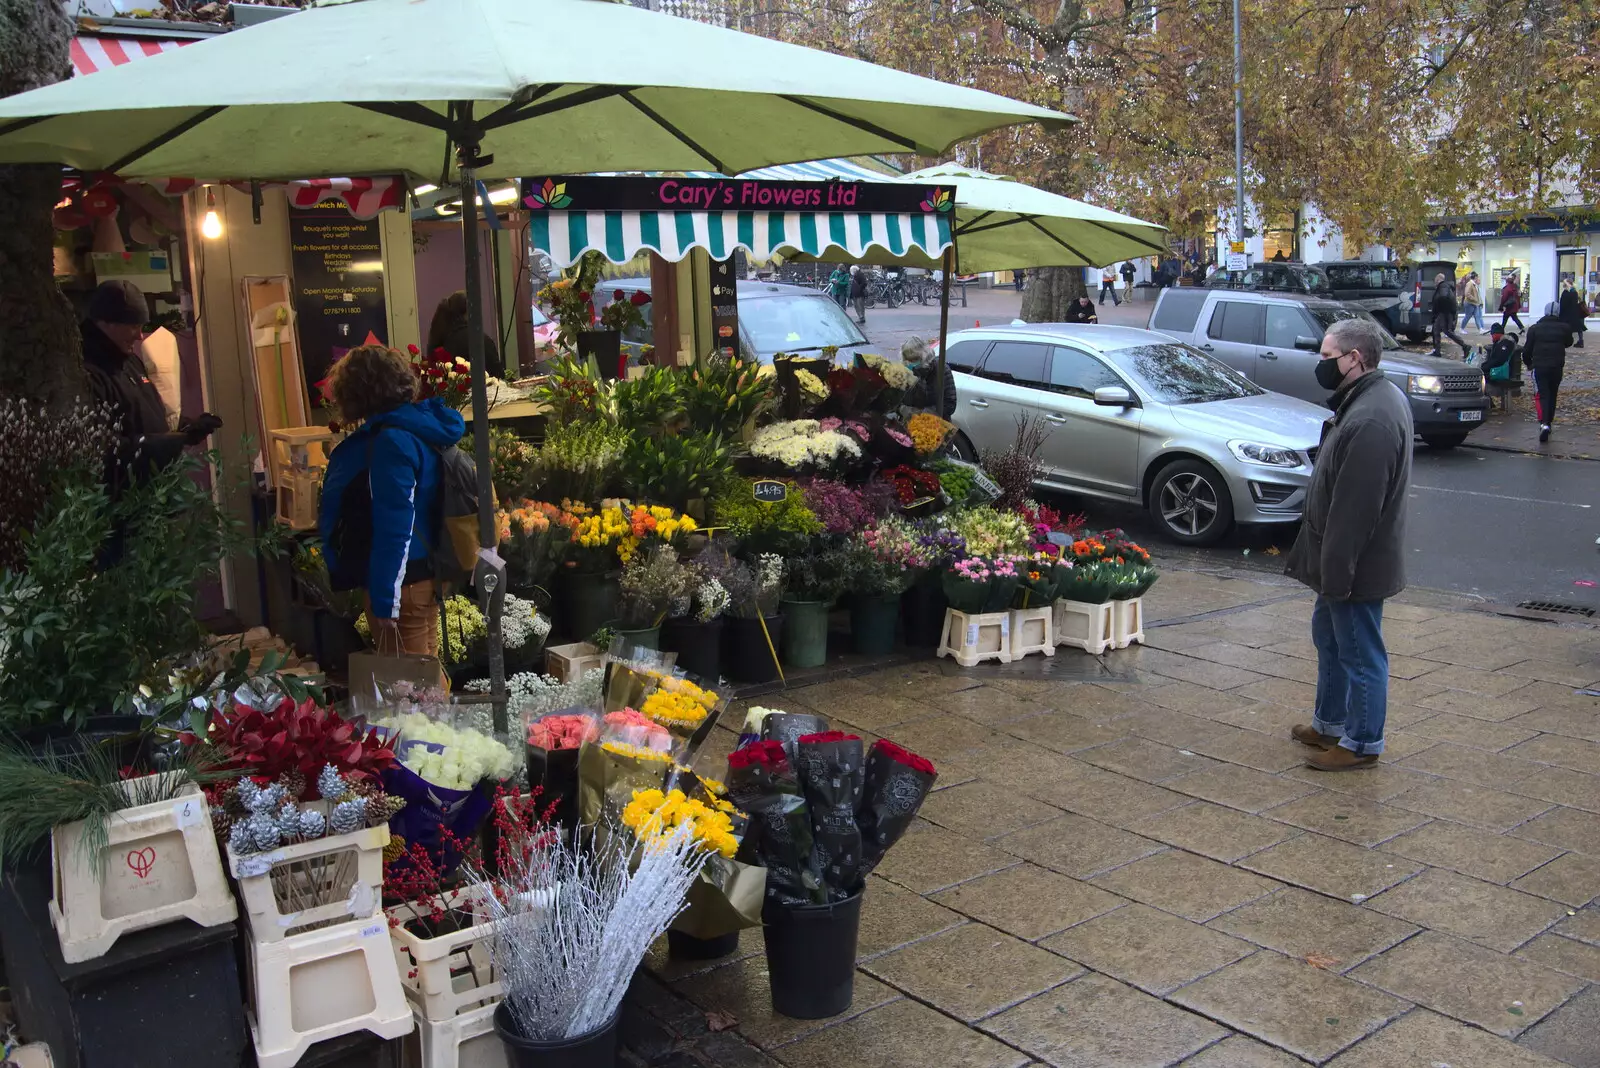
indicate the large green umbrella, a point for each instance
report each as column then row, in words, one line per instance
column 465, row 89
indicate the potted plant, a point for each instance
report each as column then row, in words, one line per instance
column 653, row 581
column 977, row 625
column 813, row 580
column 884, row 560
column 754, row 629
column 522, row 632
column 604, row 346
column 696, row 633
column 676, row 468
column 923, row 606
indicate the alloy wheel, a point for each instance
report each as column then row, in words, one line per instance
column 1189, row 503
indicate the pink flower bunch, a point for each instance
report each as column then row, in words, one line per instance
column 899, row 437
column 848, row 426
column 973, row 569
column 893, row 542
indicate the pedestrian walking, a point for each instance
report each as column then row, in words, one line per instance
column 1573, row 311
column 1511, row 302
column 839, row 285
column 1108, row 286
column 1127, row 273
column 858, row 293
column 1017, row 277
column 1444, row 313
column 1461, row 295
column 1546, row 357
column 1351, row 546
column 1472, row 302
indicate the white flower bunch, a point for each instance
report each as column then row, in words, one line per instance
column 769, row 572
column 464, row 757
column 521, row 623
column 896, row 375
column 710, row 601
column 800, row 442
column 532, row 695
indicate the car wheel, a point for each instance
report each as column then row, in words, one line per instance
column 1416, row 337
column 963, row 448
column 1444, row 441
column 1190, row 503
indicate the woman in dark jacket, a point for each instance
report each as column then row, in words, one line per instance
column 1573, row 311
column 1546, row 355
column 448, row 331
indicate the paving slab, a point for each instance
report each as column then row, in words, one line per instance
column 1107, row 796
column 1152, row 950
column 1495, row 858
column 1333, row 934
column 1493, row 916
column 1359, row 822
column 930, row 858
column 1561, row 786
column 1423, row 1039
column 972, row 971
column 1029, row 901
column 1330, row 866
column 741, row 989
column 1451, row 761
column 1096, row 1022
column 1583, row 924
column 1480, row 806
column 1380, row 782
column 1474, row 733
column 984, row 810
column 1148, row 761
column 1186, row 885
column 1076, row 846
column 1062, row 732
column 1573, row 879
column 891, row 916
column 1291, row 1005
column 1501, row 994
column 1241, row 1052
column 1569, row 1033
column 1575, row 754
column 1244, row 789
column 1213, row 831
column 901, row 1034
column 1564, row 955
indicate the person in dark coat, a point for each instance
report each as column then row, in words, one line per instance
column 1545, row 353
column 1444, row 312
column 1082, row 311
column 1351, row 546
column 113, row 331
column 448, row 331
column 1573, row 312
column 858, row 293
column 1511, row 302
column 915, row 354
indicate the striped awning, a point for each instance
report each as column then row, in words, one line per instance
column 621, row 235
column 91, row 53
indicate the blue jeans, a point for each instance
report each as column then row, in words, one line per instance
column 1469, row 312
column 1352, row 673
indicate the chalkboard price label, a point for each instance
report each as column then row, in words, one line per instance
column 770, row 491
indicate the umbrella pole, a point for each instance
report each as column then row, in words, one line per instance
column 944, row 328
column 487, row 577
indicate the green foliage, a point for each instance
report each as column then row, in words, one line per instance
column 871, row 573
column 187, row 695
column 652, row 403
column 674, row 470
column 725, row 394
column 513, row 462
column 785, row 527
column 957, row 481
column 579, row 461
column 108, row 593
column 821, row 573
column 653, row 580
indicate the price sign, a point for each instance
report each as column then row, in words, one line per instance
column 769, row 491
column 186, row 813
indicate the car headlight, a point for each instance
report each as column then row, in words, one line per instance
column 1425, row 384
column 1252, row 452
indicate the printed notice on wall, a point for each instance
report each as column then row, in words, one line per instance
column 338, row 286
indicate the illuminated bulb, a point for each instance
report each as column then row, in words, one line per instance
column 211, row 225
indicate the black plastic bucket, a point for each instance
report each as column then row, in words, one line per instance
column 682, row 946
column 811, row 957
column 748, row 654
column 597, row 1049
column 698, row 645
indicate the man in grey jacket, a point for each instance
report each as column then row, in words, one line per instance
column 1351, row 547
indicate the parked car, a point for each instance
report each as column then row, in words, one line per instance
column 544, row 331
column 1416, row 316
column 772, row 318
column 1379, row 288
column 1273, row 339
column 1279, row 276
column 1137, row 417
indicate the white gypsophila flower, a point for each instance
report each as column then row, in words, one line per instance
column 520, row 623
column 711, row 600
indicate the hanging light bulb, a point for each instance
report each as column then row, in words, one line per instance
column 211, row 225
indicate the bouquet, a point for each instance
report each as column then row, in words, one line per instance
column 580, row 460
column 1088, row 582
column 975, row 585
column 722, row 395
column 653, row 580
column 444, row 774
column 929, row 433
column 571, row 298
column 442, row 375
column 845, row 509
column 912, row 485
column 533, row 541
column 898, row 379
column 623, row 313
column 554, row 741
column 1036, row 581
column 804, row 445
column 988, row 532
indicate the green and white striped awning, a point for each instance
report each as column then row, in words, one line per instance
column 620, row 235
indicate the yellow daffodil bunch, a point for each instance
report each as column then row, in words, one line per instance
column 653, row 814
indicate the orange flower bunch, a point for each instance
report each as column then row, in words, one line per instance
column 1089, row 549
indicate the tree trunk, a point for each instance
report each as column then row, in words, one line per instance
column 41, row 355
column 1049, row 291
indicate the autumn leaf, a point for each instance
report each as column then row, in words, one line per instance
column 1322, row 960
column 721, row 1021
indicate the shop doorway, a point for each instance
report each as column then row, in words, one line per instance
column 1572, row 265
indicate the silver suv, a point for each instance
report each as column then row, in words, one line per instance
column 1273, row 338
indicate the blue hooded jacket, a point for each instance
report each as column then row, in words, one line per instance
column 404, row 478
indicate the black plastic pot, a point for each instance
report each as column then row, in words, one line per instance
column 698, row 645
column 922, row 609
column 606, row 348
column 746, row 655
column 597, row 1049
column 682, row 946
column 872, row 623
column 585, row 603
column 811, row 957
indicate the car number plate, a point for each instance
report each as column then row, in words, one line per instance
column 1471, row 415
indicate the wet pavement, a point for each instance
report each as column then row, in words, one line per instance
column 1126, row 863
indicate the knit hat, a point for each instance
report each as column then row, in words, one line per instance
column 118, row 301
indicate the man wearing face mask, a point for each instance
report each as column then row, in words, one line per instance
column 112, row 333
column 1351, row 548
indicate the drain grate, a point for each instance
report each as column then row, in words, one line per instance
column 1553, row 606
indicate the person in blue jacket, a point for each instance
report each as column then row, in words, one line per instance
column 395, row 452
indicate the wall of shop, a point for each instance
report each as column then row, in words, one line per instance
column 1541, row 262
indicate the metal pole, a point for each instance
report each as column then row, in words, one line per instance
column 1238, row 126
column 944, row 328
column 488, row 579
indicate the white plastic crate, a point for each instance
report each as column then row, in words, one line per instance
column 323, row 984
column 451, row 974
column 1127, row 622
column 465, row 1041
column 972, row 639
column 342, row 873
column 160, row 863
column 1033, row 630
column 1085, row 626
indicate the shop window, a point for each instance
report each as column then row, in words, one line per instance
column 1279, row 237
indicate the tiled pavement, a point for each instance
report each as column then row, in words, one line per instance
column 1125, row 862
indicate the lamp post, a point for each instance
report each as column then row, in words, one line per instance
column 1238, row 127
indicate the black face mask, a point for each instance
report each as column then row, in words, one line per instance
column 1328, row 374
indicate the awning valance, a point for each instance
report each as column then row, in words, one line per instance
column 621, row 235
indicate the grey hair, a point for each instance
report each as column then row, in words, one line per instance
column 1359, row 335
column 913, row 350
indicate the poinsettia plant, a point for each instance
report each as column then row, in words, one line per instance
column 290, row 737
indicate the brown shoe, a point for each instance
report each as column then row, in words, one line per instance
column 1306, row 734
column 1338, row 758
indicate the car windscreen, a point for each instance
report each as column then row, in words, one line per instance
column 797, row 323
column 1178, row 374
column 1326, row 317
column 1365, row 276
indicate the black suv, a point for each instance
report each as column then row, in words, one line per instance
column 1275, row 276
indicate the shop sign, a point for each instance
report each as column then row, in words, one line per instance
column 1537, row 227
column 769, row 491
column 586, row 193
column 338, row 285
column 725, row 308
